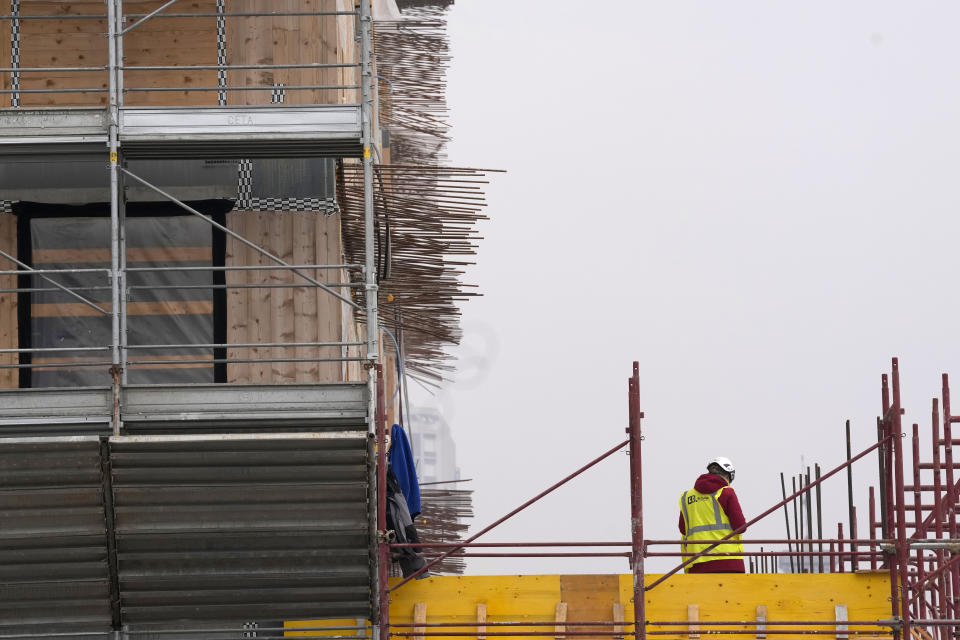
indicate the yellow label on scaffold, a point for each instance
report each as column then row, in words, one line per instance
column 113, row 156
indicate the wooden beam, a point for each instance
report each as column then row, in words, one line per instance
column 561, row 617
column 618, row 614
column 481, row 620
column 693, row 616
column 841, row 615
column 419, row 619
column 761, row 621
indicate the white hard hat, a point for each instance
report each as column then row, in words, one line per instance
column 724, row 463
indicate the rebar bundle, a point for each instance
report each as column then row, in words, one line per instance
column 412, row 57
column 426, row 219
column 445, row 518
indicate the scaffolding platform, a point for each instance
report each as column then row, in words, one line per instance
column 183, row 409
column 190, row 132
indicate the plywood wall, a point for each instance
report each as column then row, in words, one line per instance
column 347, row 54
column 283, row 40
column 278, row 315
column 67, row 42
column 171, row 41
column 273, row 315
column 73, row 42
column 8, row 303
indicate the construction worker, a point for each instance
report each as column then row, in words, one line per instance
column 710, row 512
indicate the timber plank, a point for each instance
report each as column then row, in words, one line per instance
column 305, row 300
column 282, row 307
column 329, row 309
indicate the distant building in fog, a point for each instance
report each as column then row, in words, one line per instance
column 434, row 450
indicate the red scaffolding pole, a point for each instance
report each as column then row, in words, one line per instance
column 923, row 565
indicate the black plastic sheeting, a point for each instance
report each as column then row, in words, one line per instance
column 174, row 306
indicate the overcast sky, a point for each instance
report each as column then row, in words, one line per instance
column 757, row 201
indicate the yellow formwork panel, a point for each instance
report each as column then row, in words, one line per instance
column 710, row 597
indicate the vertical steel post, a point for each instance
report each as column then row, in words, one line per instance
column 121, row 205
column 786, row 521
column 366, row 108
column 365, row 24
column 375, row 382
column 636, row 504
column 941, row 586
column 886, row 499
column 872, row 526
column 116, row 284
column 852, row 529
column 950, row 515
column 917, row 510
column 854, row 549
column 383, row 549
column 901, row 544
column 816, row 468
column 839, row 548
column 809, row 520
column 797, row 529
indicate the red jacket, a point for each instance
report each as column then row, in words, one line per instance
column 710, row 483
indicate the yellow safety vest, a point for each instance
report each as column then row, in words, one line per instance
column 706, row 522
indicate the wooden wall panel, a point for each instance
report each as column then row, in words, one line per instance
column 281, row 307
column 302, row 314
column 347, row 54
column 248, row 42
column 304, row 304
column 329, row 251
column 67, row 42
column 238, row 316
column 261, row 325
column 282, row 40
column 171, row 41
column 73, row 42
column 9, row 378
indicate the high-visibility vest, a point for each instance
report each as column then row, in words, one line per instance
column 706, row 522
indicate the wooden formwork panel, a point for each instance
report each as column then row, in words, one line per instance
column 273, row 315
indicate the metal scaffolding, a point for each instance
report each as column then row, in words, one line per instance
column 329, row 425
column 921, row 556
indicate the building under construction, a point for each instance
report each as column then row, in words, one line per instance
column 229, row 240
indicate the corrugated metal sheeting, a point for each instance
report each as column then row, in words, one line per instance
column 249, row 528
column 230, row 528
column 53, row 542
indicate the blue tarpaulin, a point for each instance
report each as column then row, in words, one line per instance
column 401, row 459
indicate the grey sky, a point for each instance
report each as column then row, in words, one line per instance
column 755, row 200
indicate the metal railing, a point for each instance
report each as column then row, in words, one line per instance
column 922, row 566
column 265, row 352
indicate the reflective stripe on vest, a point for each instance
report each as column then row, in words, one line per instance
column 718, row 523
column 709, row 532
